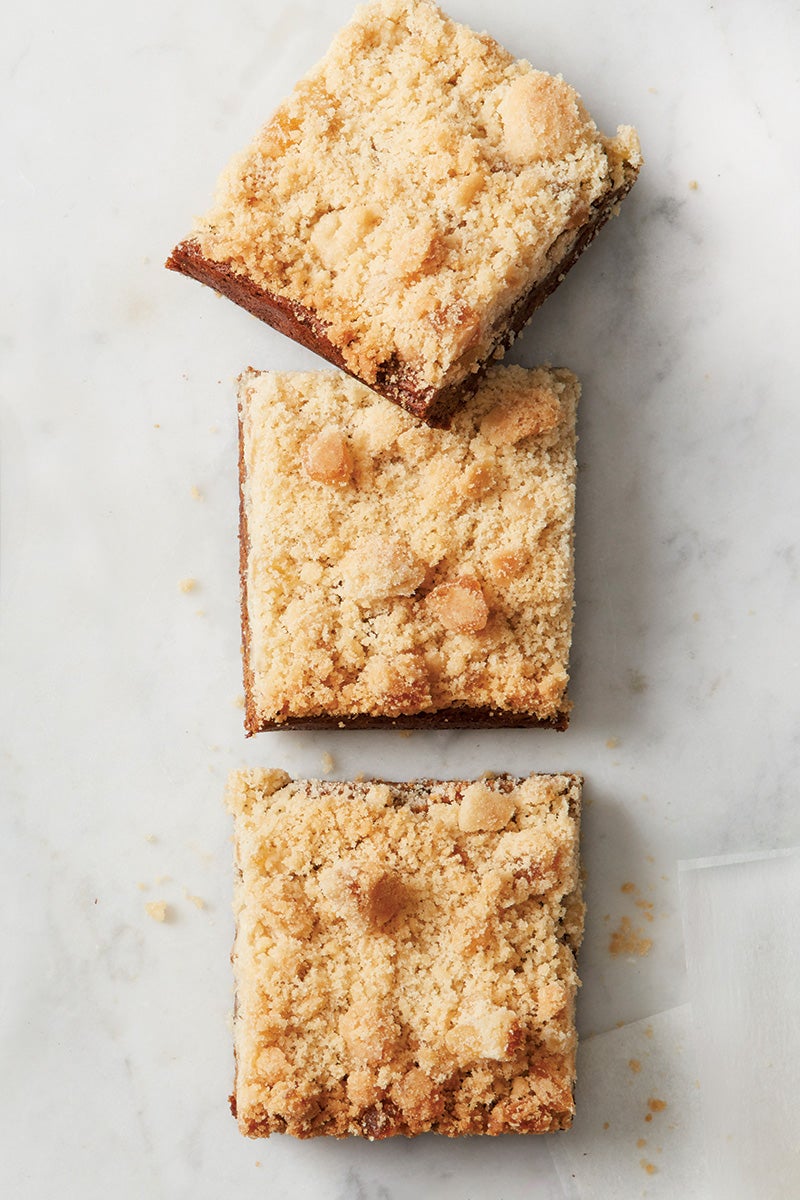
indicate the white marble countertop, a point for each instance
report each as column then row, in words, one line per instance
column 120, row 691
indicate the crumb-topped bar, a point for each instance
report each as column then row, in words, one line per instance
column 405, row 955
column 398, row 574
column 411, row 203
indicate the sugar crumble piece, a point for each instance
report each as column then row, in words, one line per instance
column 612, row 743
column 396, row 974
column 143, row 887
column 656, row 1105
column 195, row 492
column 326, row 457
column 635, row 1065
column 641, row 1143
column 157, row 910
column 328, row 763
column 411, row 203
column 187, row 585
column 151, row 838
column 437, row 587
column 693, row 185
column 628, row 887
column 197, row 901
column 649, row 1167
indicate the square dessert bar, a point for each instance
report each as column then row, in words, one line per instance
column 402, row 575
column 410, row 204
column 405, row 955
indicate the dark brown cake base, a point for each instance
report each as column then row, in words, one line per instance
column 395, row 381
column 444, row 718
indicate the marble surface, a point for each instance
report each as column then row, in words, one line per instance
column 120, row 692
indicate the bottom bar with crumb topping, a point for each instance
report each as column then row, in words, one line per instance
column 405, row 955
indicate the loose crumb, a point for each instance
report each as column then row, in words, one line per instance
column 405, row 733
column 650, row 858
column 648, row 1031
column 612, row 743
column 647, row 908
column 143, row 887
column 628, row 887
column 187, row 585
column 635, row 1065
column 239, row 702
column 195, row 493
column 164, row 879
column 651, row 1168
column 627, row 940
column 695, row 616
column 693, row 185
column 328, row 763
column 606, row 1125
column 197, row 901
column 649, row 1117
column 641, row 1143
column 157, row 909
column 150, row 837
column 656, row 1105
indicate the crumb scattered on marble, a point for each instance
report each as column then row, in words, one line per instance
column 156, row 427
column 647, row 908
column 695, row 616
column 627, row 940
column 637, row 682
column 648, row 1031
column 405, row 733
column 328, row 763
column 693, row 185
column 628, row 887
column 195, row 492
column 214, row 428
column 635, row 1065
column 653, row 91
column 164, row 879
column 649, row 1167
column 641, row 1143
column 199, row 612
column 187, row 585
column 649, row 858
column 197, row 901
column 606, row 1125
column 239, row 702
column 612, row 743
column 360, row 777
column 150, row 837
column 656, row 1105
column 143, row 887
column 157, row 909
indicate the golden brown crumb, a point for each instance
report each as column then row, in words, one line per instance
column 151, row 838
column 656, row 1105
column 328, row 763
column 197, row 901
column 693, row 185
column 157, row 909
column 641, row 1143
column 143, row 887
column 188, row 585
column 628, row 887
column 195, row 492
column 606, row 1125
column 404, row 955
column 649, row 1167
column 635, row 1065
column 414, row 589
column 612, row 743
column 627, row 940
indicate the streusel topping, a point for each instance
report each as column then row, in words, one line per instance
column 396, row 569
column 404, row 954
column 417, row 182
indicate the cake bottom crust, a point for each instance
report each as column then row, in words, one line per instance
column 395, row 380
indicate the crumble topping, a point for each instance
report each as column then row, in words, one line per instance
column 437, row 574
column 415, row 185
column 404, row 955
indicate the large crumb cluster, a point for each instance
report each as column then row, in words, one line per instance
column 415, row 186
column 394, row 569
column 404, row 955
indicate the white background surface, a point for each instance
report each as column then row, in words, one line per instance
column 120, row 717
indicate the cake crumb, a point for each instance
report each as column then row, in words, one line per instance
column 656, row 1105
column 195, row 492
column 151, row 838
column 164, row 879
column 328, row 763
column 641, row 1143
column 187, row 585
column 157, row 909
column 648, row 1031
column 635, row 1065
column 239, row 702
column 649, row 858
column 693, row 185
column 404, row 733
column 197, row 901
column 612, row 743
column 606, row 1125
column 647, row 908
column 628, row 887
column 649, row 1167
column 627, row 940
column 695, row 616
column 143, row 887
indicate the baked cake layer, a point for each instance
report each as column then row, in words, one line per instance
column 394, row 573
column 405, row 955
column 411, row 203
